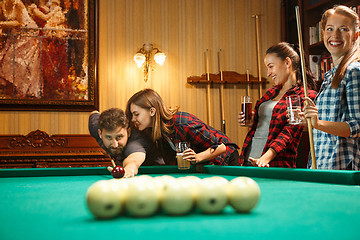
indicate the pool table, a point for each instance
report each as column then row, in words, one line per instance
column 294, row 204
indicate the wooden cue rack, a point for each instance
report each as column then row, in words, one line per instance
column 229, row 77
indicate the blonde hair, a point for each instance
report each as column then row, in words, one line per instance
column 147, row 99
column 354, row 53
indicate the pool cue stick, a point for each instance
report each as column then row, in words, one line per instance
column 112, row 162
column 221, row 94
column 311, row 137
column 208, row 87
column 258, row 52
column 248, row 83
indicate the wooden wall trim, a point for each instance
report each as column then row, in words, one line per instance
column 39, row 149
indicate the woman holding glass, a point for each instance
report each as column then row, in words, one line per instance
column 272, row 141
column 166, row 127
column 336, row 115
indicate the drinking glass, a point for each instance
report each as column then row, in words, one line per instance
column 180, row 148
column 293, row 104
column 246, row 108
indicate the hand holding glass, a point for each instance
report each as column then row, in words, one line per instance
column 246, row 109
column 293, row 104
column 180, row 148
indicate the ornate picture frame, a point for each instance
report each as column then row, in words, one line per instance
column 49, row 58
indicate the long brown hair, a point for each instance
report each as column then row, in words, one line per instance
column 147, row 99
column 354, row 53
column 285, row 50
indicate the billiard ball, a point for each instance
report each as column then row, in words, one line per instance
column 243, row 194
column 121, row 186
column 193, row 179
column 219, row 179
column 212, row 196
column 142, row 198
column 118, row 172
column 144, row 178
column 165, row 178
column 177, row 198
column 193, row 183
column 159, row 185
column 104, row 200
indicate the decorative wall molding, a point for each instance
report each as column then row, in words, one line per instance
column 38, row 139
column 39, row 149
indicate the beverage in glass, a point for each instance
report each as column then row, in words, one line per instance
column 293, row 104
column 246, row 107
column 180, row 148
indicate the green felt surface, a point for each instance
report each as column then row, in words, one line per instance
column 54, row 207
column 298, row 174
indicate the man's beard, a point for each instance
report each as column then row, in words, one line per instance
column 115, row 151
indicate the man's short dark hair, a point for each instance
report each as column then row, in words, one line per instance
column 112, row 119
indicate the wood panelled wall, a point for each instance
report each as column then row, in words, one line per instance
column 183, row 30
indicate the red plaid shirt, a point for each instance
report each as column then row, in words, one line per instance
column 201, row 136
column 283, row 137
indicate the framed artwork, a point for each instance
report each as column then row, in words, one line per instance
column 48, row 55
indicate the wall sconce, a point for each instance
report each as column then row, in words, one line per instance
column 143, row 59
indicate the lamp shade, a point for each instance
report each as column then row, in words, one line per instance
column 160, row 58
column 139, row 58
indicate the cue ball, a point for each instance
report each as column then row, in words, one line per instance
column 177, row 198
column 212, row 197
column 243, row 194
column 104, row 200
column 142, row 198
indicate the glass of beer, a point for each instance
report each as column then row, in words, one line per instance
column 180, row 148
column 293, row 104
column 246, row 108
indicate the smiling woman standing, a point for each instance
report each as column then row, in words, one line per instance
column 166, row 126
column 271, row 140
column 336, row 115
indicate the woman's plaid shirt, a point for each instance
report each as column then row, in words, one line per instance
column 201, row 136
column 339, row 105
column 283, row 137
